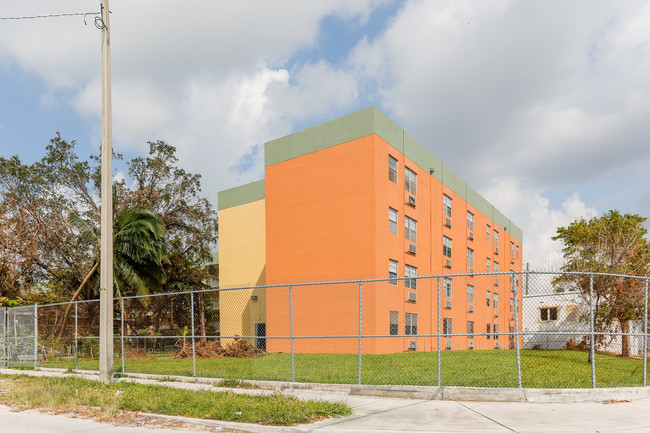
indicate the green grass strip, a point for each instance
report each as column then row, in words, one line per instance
column 55, row 393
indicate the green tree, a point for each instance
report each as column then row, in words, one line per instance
column 612, row 245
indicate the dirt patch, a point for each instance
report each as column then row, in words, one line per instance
column 213, row 349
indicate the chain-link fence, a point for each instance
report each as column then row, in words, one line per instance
column 523, row 329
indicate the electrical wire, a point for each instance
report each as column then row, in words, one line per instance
column 76, row 14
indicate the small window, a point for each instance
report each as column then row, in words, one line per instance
column 517, row 255
column 446, row 205
column 470, row 329
column 411, row 326
column 487, row 330
column 512, row 249
column 446, row 327
column 512, row 305
column 392, row 272
column 470, row 257
column 470, row 294
column 489, row 230
column 470, row 221
column 410, row 229
column 571, row 313
column 488, row 265
column 495, row 266
column 394, row 323
column 392, row 220
column 410, row 272
column 496, row 332
column 548, row 314
column 495, row 299
column 488, row 297
column 496, row 238
column 392, row 169
column 447, row 286
column 446, row 246
column 410, row 180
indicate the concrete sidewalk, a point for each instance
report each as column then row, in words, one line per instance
column 381, row 414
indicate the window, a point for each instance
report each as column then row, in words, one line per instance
column 512, row 249
column 392, row 169
column 496, row 332
column 512, row 305
column 495, row 266
column 447, row 285
column 571, row 313
column 392, row 272
column 488, row 298
column 488, row 264
column 410, row 229
column 496, row 238
column 487, row 331
column 489, row 230
column 470, row 257
column 410, row 272
column 394, row 322
column 446, row 205
column 470, row 221
column 470, row 329
column 411, row 326
column 446, row 327
column 410, row 180
column 517, row 251
column 446, row 246
column 470, row 294
column 495, row 300
column 548, row 314
column 392, row 220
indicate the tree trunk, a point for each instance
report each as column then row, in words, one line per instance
column 76, row 295
column 201, row 300
column 625, row 339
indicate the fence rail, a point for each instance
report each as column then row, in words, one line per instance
column 532, row 329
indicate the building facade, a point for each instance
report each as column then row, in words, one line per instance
column 358, row 198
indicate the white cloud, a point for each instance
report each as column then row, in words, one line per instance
column 527, row 207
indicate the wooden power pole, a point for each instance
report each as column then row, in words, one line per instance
column 106, row 255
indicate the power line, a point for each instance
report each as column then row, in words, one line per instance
column 76, row 14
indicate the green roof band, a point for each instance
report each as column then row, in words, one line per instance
column 242, row 194
column 372, row 121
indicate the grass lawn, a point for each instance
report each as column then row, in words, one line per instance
column 480, row 368
column 62, row 394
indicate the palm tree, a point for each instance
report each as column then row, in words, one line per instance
column 139, row 253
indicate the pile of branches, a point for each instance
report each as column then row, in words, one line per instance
column 207, row 348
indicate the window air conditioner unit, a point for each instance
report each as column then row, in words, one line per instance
column 471, row 236
column 448, row 304
column 471, row 308
column 448, row 345
column 471, row 271
column 413, row 296
column 496, row 346
column 496, row 250
column 448, row 222
column 411, row 200
column 471, row 345
column 448, row 263
column 496, row 313
column 496, row 282
column 413, row 345
column 512, row 261
column 412, row 249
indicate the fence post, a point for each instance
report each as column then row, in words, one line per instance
column 193, row 345
column 360, row 323
column 122, row 331
column 438, row 335
column 35, row 336
column 517, row 333
column 76, row 336
column 592, row 350
column 293, row 360
column 645, row 332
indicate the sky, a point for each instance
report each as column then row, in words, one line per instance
column 542, row 106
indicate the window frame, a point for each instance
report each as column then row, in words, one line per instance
column 470, row 329
column 446, row 246
column 393, row 225
column 409, row 273
column 447, row 205
column 393, row 326
column 410, row 180
column 470, row 221
column 488, row 297
column 548, row 314
column 410, row 324
column 410, row 229
column 470, row 294
column 470, row 257
column 447, row 327
column 447, row 285
column 392, row 276
column 392, row 171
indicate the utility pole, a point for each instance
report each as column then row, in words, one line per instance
column 106, row 255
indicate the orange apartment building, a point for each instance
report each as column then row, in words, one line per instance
column 358, row 198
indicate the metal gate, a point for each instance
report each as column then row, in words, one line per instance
column 20, row 343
